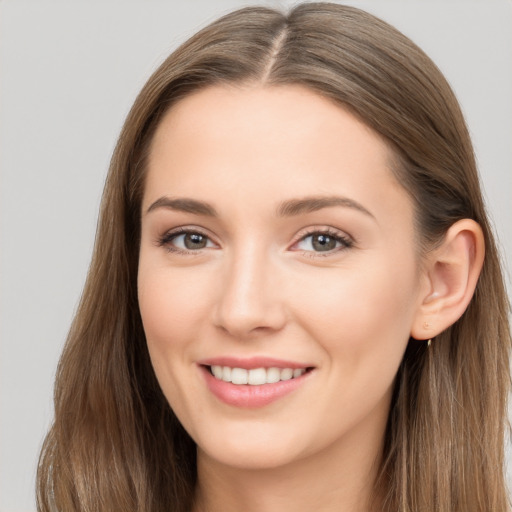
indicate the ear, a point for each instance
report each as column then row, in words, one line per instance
column 450, row 276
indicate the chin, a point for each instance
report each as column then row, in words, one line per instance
column 251, row 456
column 254, row 448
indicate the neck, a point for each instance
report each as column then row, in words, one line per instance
column 341, row 478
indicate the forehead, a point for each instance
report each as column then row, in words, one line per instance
column 265, row 142
column 279, row 116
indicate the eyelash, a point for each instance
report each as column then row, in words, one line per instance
column 345, row 241
column 166, row 240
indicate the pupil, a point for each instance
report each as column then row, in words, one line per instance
column 323, row 243
column 195, row 241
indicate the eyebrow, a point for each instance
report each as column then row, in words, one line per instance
column 315, row 203
column 184, row 205
column 288, row 208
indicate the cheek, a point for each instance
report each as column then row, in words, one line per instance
column 170, row 306
column 362, row 322
column 171, row 303
column 360, row 315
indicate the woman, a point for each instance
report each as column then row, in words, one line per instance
column 295, row 299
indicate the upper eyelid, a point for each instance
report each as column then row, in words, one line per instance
column 174, row 232
column 344, row 238
column 300, row 235
column 323, row 230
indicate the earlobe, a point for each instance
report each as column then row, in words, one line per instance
column 451, row 273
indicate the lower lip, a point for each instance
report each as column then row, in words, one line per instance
column 248, row 396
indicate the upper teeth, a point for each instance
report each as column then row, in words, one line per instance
column 256, row 376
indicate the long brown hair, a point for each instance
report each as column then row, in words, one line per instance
column 115, row 443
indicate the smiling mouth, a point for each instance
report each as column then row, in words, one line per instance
column 255, row 376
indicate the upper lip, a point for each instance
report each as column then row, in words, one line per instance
column 252, row 362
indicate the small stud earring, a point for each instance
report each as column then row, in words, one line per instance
column 429, row 342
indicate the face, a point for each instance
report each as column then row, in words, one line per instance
column 278, row 275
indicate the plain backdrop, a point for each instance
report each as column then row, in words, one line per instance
column 69, row 73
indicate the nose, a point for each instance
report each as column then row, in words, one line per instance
column 250, row 300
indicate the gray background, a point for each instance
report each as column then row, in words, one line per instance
column 69, row 73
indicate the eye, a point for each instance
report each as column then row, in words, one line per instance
column 322, row 241
column 185, row 241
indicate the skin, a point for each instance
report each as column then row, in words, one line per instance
column 259, row 288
